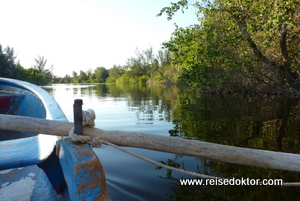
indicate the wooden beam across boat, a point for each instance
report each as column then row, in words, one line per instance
column 205, row 150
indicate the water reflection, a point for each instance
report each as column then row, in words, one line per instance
column 260, row 122
column 264, row 122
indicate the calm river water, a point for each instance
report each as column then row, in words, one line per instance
column 260, row 122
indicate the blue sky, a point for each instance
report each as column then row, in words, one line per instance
column 76, row 35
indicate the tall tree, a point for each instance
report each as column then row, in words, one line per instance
column 38, row 73
column 7, row 62
column 82, row 77
column 101, row 74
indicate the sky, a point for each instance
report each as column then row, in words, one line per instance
column 76, row 35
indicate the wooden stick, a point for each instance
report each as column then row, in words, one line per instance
column 205, row 150
column 77, row 110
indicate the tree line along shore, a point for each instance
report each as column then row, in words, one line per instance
column 237, row 46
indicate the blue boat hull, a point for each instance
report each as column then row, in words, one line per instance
column 36, row 166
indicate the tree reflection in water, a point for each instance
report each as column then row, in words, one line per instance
column 259, row 122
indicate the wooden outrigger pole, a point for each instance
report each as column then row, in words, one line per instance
column 195, row 148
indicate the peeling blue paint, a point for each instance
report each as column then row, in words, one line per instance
column 81, row 169
column 31, row 179
column 89, row 194
column 19, row 153
column 84, row 179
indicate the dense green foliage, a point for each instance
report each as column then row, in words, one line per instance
column 99, row 75
column 147, row 67
column 144, row 68
column 8, row 66
column 239, row 45
column 38, row 73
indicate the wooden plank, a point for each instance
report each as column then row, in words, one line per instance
column 205, row 150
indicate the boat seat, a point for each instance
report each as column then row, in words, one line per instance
column 32, row 182
column 9, row 102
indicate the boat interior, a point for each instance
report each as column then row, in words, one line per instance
column 12, row 103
